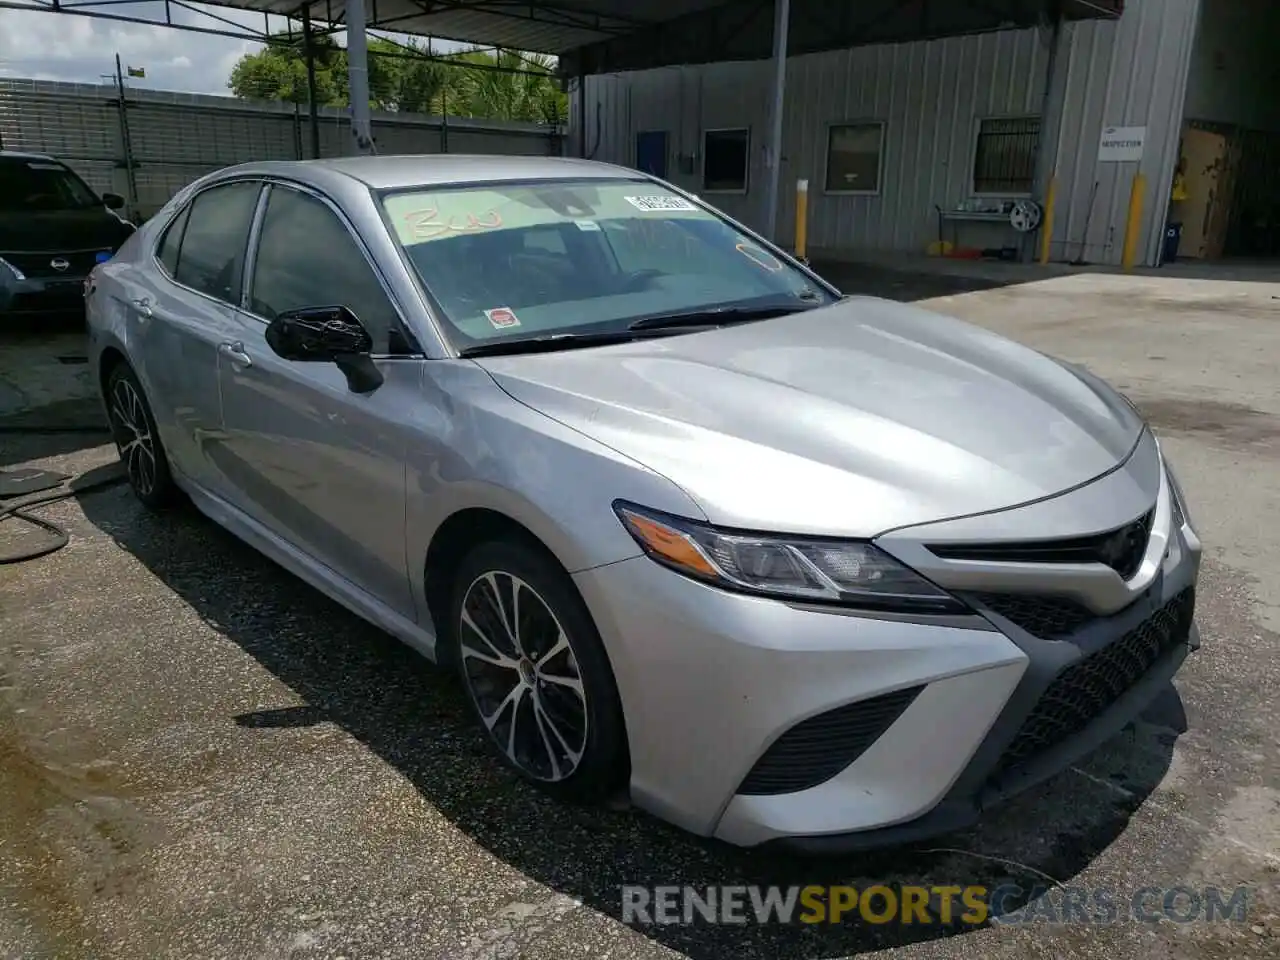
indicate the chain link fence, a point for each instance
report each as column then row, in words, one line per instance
column 147, row 144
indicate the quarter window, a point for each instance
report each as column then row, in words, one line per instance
column 171, row 242
column 213, row 242
column 308, row 258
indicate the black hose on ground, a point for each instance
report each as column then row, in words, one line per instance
column 17, row 509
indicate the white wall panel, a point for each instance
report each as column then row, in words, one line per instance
column 931, row 97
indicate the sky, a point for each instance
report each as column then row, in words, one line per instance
column 48, row 46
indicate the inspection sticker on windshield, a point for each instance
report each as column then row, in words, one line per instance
column 654, row 204
column 502, row 317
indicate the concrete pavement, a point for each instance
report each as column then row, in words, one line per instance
column 202, row 757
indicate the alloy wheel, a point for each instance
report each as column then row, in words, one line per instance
column 133, row 436
column 521, row 671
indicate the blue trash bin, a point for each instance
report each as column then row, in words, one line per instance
column 1172, row 240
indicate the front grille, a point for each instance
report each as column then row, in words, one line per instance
column 815, row 750
column 1121, row 549
column 1049, row 618
column 1089, row 686
column 39, row 265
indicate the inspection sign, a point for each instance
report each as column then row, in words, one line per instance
column 1122, row 144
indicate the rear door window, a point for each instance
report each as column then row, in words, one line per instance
column 214, row 241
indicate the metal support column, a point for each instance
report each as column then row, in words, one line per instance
column 1053, row 102
column 1052, row 114
column 773, row 149
column 313, row 108
column 358, row 76
column 582, row 113
column 126, row 142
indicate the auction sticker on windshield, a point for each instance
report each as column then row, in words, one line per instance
column 658, row 203
column 502, row 317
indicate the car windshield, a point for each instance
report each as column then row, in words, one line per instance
column 584, row 257
column 41, row 185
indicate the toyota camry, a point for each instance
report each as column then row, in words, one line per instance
column 784, row 565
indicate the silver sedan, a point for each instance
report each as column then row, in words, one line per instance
column 786, row 566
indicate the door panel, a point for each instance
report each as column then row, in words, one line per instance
column 318, row 465
column 178, row 333
column 182, row 310
column 1204, row 154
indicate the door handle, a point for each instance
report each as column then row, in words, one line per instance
column 235, row 353
column 143, row 307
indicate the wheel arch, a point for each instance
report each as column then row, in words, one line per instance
column 110, row 358
column 461, row 531
column 466, row 529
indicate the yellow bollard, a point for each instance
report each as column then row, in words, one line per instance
column 802, row 217
column 1132, row 225
column 1046, row 228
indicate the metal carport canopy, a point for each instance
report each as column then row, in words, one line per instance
column 607, row 36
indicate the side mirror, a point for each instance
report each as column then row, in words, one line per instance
column 113, row 201
column 327, row 335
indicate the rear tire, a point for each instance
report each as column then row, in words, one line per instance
column 137, row 441
column 535, row 671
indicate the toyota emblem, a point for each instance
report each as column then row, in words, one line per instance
column 59, row 264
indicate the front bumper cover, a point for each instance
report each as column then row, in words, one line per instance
column 988, row 780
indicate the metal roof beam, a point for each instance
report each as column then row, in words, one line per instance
column 713, row 34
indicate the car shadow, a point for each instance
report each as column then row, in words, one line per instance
column 413, row 717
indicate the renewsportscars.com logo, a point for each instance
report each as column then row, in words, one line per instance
column 971, row 905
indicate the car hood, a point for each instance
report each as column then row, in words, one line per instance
column 61, row 231
column 849, row 420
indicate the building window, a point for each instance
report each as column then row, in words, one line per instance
column 853, row 157
column 725, row 155
column 1005, row 159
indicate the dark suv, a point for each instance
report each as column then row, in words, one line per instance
column 53, row 231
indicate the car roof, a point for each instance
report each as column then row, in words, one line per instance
column 414, row 170
column 21, row 155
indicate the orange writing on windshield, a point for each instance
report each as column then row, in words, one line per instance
column 760, row 257
column 427, row 225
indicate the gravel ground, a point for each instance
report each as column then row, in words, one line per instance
column 202, row 757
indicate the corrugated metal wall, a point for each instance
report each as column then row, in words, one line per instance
column 1131, row 73
column 931, row 97
column 176, row 137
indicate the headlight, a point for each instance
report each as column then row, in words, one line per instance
column 797, row 568
column 17, row 274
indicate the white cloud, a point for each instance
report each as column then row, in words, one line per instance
column 49, row 46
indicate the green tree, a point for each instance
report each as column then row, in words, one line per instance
column 531, row 94
column 278, row 72
column 401, row 80
column 428, row 86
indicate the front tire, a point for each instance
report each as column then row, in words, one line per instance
column 137, row 441
column 536, row 673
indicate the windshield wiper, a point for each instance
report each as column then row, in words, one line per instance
column 546, row 343
column 714, row 317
